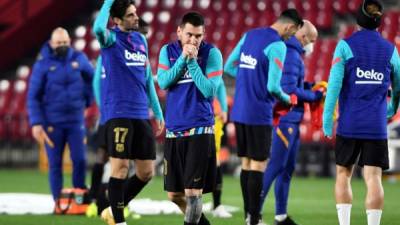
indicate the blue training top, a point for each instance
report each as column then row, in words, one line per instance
column 126, row 87
column 191, row 85
column 360, row 76
column 257, row 63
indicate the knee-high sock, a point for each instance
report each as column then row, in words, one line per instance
column 116, row 196
column 244, row 177
column 132, row 187
column 97, row 174
column 254, row 191
column 218, row 188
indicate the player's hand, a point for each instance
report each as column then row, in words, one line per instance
column 192, row 51
column 293, row 99
column 40, row 136
column 160, row 127
column 185, row 51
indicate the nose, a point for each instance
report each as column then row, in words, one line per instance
column 193, row 40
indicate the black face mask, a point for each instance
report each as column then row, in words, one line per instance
column 366, row 20
column 61, row 51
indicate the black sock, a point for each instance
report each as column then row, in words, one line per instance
column 116, row 195
column 218, row 188
column 97, row 174
column 132, row 187
column 244, row 177
column 255, row 183
column 203, row 220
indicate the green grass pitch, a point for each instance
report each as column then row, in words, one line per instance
column 311, row 202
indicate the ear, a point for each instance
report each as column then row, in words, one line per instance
column 52, row 44
column 116, row 20
column 179, row 32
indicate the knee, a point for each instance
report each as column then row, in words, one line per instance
column 145, row 175
column 258, row 165
column 120, row 171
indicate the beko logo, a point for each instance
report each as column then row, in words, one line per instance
column 138, row 58
column 372, row 76
column 247, row 61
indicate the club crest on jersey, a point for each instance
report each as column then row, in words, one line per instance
column 247, row 61
column 135, row 58
column 369, row 76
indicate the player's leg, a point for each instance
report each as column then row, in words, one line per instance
column 54, row 158
column 77, row 148
column 199, row 173
column 119, row 141
column 375, row 194
column 374, row 158
column 218, row 209
column 144, row 153
column 98, row 167
column 179, row 199
column 144, row 172
column 245, row 165
column 346, row 153
column 259, row 149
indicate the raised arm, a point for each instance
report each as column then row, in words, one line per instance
column 97, row 81
column 105, row 37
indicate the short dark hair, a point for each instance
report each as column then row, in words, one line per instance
column 292, row 15
column 194, row 18
column 118, row 8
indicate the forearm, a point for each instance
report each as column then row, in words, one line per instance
column 231, row 65
column 153, row 98
column 100, row 24
column 306, row 95
column 276, row 54
column 221, row 96
column 168, row 76
column 206, row 86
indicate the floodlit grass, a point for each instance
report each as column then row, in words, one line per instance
column 311, row 202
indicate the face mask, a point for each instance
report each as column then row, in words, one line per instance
column 309, row 48
column 61, row 51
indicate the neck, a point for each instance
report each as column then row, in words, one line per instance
column 122, row 28
column 278, row 28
